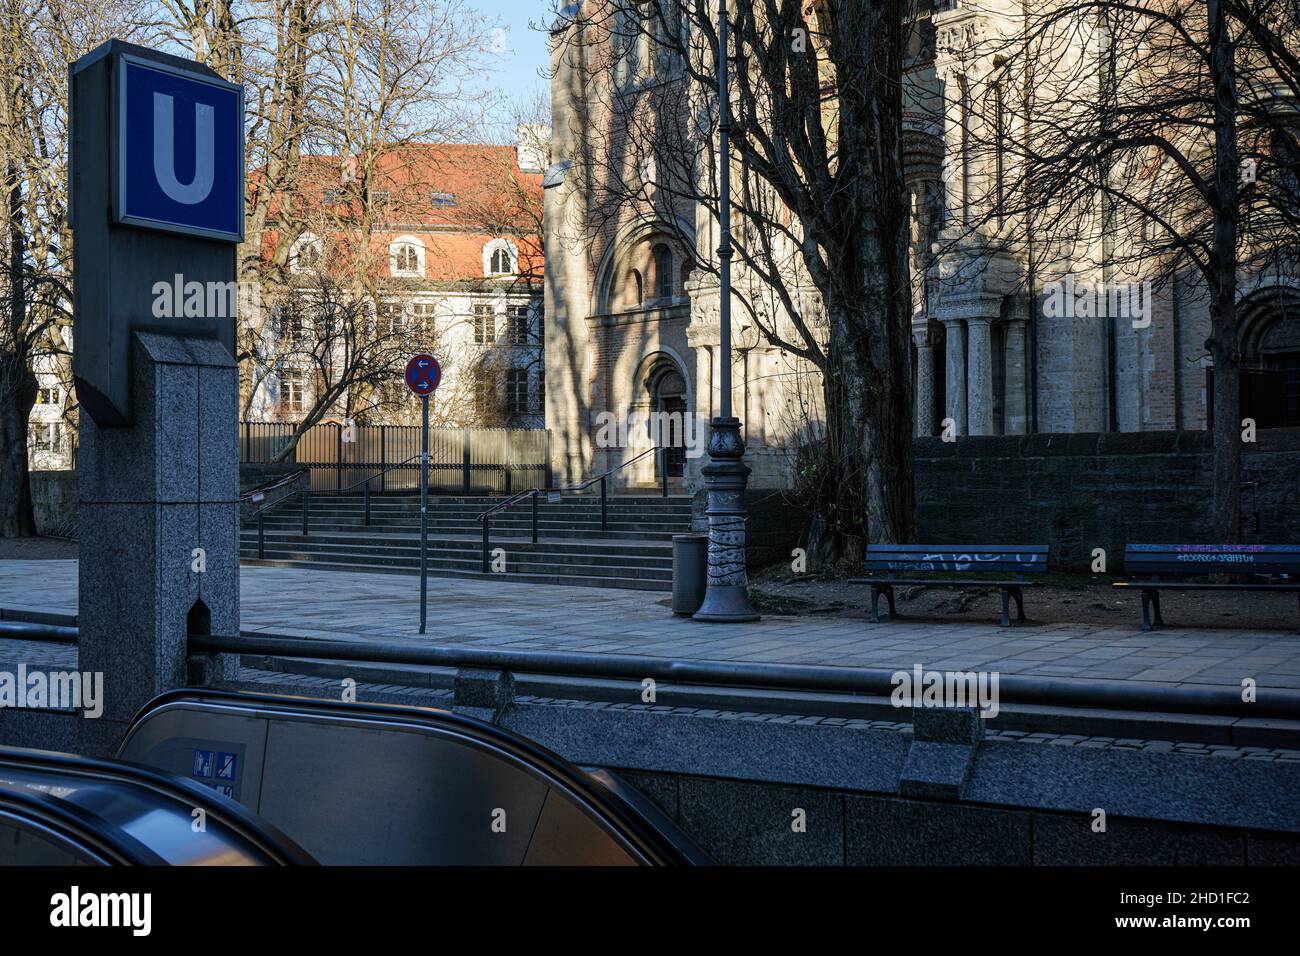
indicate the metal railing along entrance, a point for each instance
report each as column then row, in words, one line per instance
column 461, row 460
column 533, row 494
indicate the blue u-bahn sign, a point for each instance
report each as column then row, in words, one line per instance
column 180, row 150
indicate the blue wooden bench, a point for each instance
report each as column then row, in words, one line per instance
column 1157, row 563
column 954, row 566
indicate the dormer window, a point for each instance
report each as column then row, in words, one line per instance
column 307, row 254
column 406, row 257
column 500, row 258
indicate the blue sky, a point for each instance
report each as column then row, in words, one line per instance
column 525, row 58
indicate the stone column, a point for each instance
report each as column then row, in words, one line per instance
column 979, row 376
column 1017, row 380
column 151, row 494
column 924, row 384
column 956, row 369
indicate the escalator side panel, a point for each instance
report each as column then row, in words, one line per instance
column 353, row 795
column 567, row 836
column 224, row 752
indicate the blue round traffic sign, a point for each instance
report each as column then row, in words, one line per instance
column 423, row 373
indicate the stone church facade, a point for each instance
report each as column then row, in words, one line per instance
column 632, row 327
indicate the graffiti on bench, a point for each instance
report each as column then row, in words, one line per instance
column 955, row 561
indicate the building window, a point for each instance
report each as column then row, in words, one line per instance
column 47, row 437
column 334, row 196
column 291, row 390
column 380, row 197
column 517, row 392
column 422, row 320
column 49, row 396
column 485, row 325
column 406, row 257
column 486, row 401
column 392, row 320
column 291, row 327
column 500, row 258
column 442, row 199
column 637, row 289
column 517, row 324
column 663, row 272
column 306, row 254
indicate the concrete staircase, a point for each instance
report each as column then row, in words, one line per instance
column 635, row 551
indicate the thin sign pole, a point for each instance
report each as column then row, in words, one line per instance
column 424, row 514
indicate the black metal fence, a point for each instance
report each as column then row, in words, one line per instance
column 461, row 460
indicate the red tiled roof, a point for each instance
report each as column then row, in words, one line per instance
column 492, row 198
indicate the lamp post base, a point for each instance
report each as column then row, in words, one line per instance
column 726, row 595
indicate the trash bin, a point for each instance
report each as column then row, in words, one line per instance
column 690, row 572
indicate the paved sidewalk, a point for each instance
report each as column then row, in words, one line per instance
column 311, row 603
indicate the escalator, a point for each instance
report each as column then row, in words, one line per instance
column 371, row 784
column 61, row 810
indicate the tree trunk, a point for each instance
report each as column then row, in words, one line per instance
column 1226, row 438
column 1224, row 343
column 16, row 402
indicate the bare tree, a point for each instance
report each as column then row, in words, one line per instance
column 1136, row 123
column 818, row 203
column 37, row 42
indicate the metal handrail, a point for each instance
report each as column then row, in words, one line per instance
column 382, row 471
column 486, row 517
column 252, row 493
column 260, row 515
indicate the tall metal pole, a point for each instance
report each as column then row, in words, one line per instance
column 424, row 514
column 726, row 595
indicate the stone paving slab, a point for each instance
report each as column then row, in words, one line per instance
column 340, row 604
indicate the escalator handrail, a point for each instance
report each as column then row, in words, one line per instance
column 76, row 827
column 266, row 837
column 604, row 803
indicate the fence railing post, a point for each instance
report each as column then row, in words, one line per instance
column 534, row 517
column 338, row 458
column 465, row 457
column 306, row 506
column 604, row 503
column 383, row 458
column 548, row 477
column 509, row 480
column 663, row 469
column 486, row 522
column 366, row 492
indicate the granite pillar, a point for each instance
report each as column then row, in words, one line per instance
column 956, row 374
column 924, row 385
column 979, row 376
column 159, row 522
column 1017, row 379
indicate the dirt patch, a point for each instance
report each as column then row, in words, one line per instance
column 1061, row 599
column 38, row 549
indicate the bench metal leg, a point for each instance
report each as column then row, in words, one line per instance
column 876, row 591
column 1151, row 599
column 1008, row 595
column 1018, row 596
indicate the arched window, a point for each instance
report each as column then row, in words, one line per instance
column 406, row 257
column 636, row 288
column 307, row 254
column 663, row 258
column 500, row 258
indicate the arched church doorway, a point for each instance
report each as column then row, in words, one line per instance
column 668, row 400
column 1270, row 357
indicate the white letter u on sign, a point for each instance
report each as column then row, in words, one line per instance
column 164, row 158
